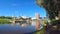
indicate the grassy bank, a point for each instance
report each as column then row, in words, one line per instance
column 2, row 21
column 39, row 31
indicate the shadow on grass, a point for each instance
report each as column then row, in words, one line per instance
column 41, row 31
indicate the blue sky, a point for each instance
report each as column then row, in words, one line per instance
column 20, row 7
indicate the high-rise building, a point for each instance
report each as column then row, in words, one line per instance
column 37, row 16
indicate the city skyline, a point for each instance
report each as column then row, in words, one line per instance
column 20, row 8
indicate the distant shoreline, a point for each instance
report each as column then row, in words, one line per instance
column 4, row 20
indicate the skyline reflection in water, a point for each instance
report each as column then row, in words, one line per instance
column 16, row 29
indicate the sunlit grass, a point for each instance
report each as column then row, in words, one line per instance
column 41, row 31
column 2, row 21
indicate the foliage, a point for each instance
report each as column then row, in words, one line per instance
column 3, row 17
column 44, row 23
column 51, row 6
column 39, row 31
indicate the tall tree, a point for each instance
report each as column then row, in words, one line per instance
column 51, row 6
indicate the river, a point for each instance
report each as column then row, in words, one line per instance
column 16, row 29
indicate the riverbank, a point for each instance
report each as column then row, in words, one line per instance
column 3, row 21
column 41, row 31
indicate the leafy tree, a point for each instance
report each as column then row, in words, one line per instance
column 51, row 6
column 2, row 16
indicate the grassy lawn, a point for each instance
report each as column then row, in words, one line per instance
column 2, row 21
column 39, row 31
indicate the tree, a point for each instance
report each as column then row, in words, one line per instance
column 51, row 6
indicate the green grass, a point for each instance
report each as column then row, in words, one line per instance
column 2, row 21
column 39, row 31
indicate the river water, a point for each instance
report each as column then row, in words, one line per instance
column 16, row 29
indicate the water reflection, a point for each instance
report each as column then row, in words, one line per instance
column 16, row 29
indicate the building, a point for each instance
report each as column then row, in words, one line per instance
column 36, row 21
column 37, row 16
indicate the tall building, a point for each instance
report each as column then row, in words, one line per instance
column 37, row 16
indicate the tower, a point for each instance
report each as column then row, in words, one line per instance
column 37, row 16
